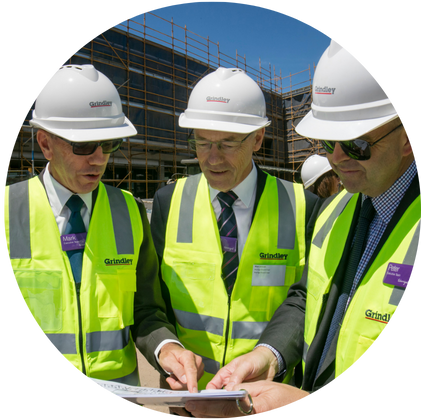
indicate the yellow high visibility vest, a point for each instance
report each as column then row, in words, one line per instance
column 210, row 324
column 375, row 299
column 91, row 330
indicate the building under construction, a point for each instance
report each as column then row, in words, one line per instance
column 154, row 72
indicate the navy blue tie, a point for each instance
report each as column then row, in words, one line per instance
column 228, row 232
column 75, row 225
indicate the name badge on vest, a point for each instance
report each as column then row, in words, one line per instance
column 229, row 244
column 73, row 241
column 397, row 274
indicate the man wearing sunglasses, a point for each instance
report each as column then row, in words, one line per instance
column 82, row 250
column 363, row 246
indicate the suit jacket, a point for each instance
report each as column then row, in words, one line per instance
column 150, row 325
column 285, row 332
column 161, row 207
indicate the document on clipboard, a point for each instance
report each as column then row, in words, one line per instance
column 159, row 396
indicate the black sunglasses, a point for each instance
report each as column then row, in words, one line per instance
column 357, row 149
column 85, row 148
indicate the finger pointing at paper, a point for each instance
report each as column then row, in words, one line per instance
column 186, row 368
column 260, row 364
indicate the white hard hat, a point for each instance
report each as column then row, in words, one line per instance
column 347, row 101
column 80, row 103
column 226, row 100
column 313, row 168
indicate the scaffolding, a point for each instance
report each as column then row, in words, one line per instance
column 297, row 98
column 154, row 72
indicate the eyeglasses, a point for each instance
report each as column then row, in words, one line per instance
column 357, row 149
column 86, row 148
column 225, row 146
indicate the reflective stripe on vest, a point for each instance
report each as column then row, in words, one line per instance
column 108, row 277
column 20, row 236
column 191, row 269
column 20, row 243
column 286, row 219
column 197, row 322
column 194, row 321
column 95, row 341
column 320, row 237
column 409, row 259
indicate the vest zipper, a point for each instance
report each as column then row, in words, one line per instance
column 80, row 327
column 227, row 329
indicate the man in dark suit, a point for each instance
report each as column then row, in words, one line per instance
column 81, row 250
column 363, row 246
column 231, row 240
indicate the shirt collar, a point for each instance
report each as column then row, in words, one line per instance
column 385, row 204
column 58, row 194
column 244, row 190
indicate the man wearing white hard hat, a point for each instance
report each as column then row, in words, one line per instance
column 363, row 246
column 318, row 177
column 231, row 240
column 81, row 250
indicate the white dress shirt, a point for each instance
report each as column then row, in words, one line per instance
column 242, row 207
column 58, row 196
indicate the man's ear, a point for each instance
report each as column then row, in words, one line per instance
column 44, row 141
column 406, row 148
column 258, row 139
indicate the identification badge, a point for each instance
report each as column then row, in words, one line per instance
column 397, row 274
column 268, row 275
column 229, row 244
column 73, row 241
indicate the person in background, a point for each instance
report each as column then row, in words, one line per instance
column 319, row 178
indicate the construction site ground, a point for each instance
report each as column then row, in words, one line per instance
column 150, row 377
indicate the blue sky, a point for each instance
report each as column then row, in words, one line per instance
column 287, row 44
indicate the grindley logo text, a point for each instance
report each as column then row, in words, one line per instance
column 277, row 256
column 217, row 99
column 324, row 90
column 377, row 316
column 115, row 261
column 99, row 104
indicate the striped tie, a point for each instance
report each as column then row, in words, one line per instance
column 228, row 234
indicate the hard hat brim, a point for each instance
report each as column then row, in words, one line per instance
column 223, row 126
column 124, row 130
column 315, row 128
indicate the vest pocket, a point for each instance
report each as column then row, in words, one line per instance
column 42, row 291
column 128, row 289
column 315, row 284
column 188, row 280
column 115, row 296
column 364, row 344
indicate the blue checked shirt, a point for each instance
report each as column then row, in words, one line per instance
column 385, row 205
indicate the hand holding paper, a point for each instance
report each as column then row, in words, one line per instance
column 266, row 395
